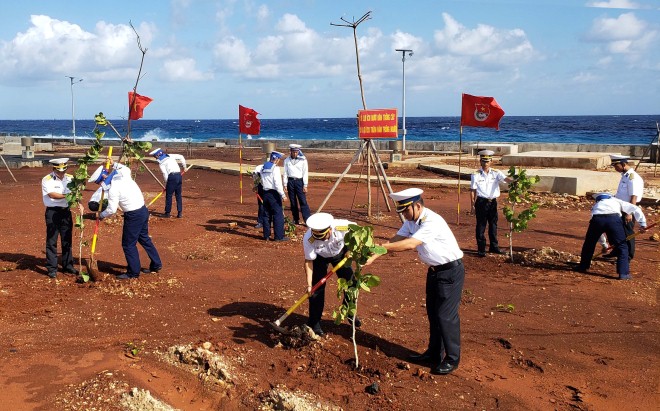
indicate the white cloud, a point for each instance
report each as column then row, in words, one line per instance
column 233, row 53
column 50, row 46
column 263, row 12
column 290, row 23
column 183, row 69
column 486, row 43
column 614, row 4
column 625, row 34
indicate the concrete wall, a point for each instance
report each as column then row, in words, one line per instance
column 381, row 145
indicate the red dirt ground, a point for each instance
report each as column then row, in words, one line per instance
column 534, row 334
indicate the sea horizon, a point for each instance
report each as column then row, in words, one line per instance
column 589, row 129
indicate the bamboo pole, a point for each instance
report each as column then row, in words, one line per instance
column 348, row 167
column 5, row 163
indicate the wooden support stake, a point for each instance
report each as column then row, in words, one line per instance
column 12, row 174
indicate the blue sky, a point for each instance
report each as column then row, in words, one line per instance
column 284, row 59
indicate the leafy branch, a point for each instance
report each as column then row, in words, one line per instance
column 360, row 244
column 79, row 180
column 519, row 192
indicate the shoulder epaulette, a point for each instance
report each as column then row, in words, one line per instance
column 631, row 176
column 68, row 175
column 311, row 240
column 48, row 177
column 341, row 227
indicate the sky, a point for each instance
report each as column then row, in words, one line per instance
column 294, row 59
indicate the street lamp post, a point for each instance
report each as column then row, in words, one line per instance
column 403, row 116
column 73, row 112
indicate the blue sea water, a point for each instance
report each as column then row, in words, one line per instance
column 637, row 130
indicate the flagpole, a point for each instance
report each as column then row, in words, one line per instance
column 460, row 152
column 240, row 164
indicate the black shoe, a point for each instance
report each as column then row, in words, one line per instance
column 495, row 251
column 258, row 225
column 481, row 253
column 426, row 356
column 358, row 323
column 625, row 277
column 166, row 215
column 151, row 270
column 609, row 255
column 283, row 239
column 179, row 215
column 579, row 269
column 443, row 368
column 317, row 330
column 127, row 276
column 71, row 271
column 52, row 274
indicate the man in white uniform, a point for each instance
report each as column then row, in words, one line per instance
column 59, row 222
column 296, row 179
column 172, row 177
column 606, row 217
column 124, row 194
column 631, row 190
column 323, row 245
column 271, row 180
column 429, row 234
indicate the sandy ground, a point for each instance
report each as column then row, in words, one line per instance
column 535, row 335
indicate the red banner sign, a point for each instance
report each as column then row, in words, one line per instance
column 379, row 123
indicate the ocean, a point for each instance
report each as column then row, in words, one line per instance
column 629, row 130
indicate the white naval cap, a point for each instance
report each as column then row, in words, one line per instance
column 295, row 146
column 96, row 176
column 320, row 224
column 601, row 196
column 486, row 154
column 59, row 163
column 276, row 154
column 319, row 221
column 616, row 158
column 406, row 197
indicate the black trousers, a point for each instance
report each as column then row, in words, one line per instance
column 612, row 226
column 173, row 187
column 629, row 228
column 136, row 230
column 273, row 212
column 58, row 224
column 486, row 212
column 297, row 196
column 443, row 297
column 320, row 269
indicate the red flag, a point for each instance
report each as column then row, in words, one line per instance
column 481, row 112
column 248, row 122
column 137, row 107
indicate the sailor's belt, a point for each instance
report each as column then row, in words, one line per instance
column 487, row 199
column 294, row 178
column 446, row 266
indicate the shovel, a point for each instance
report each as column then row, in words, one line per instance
column 628, row 238
column 276, row 325
column 92, row 267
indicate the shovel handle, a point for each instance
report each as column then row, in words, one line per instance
column 316, row 286
column 631, row 236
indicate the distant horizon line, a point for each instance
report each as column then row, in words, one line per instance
column 329, row 118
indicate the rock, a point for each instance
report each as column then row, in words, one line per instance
column 374, row 388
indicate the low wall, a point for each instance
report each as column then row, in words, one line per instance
column 382, row 145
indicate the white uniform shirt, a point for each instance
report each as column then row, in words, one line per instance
column 168, row 165
column 124, row 194
column 180, row 159
column 615, row 206
column 487, row 184
column 631, row 184
column 271, row 179
column 439, row 245
column 326, row 248
column 52, row 184
column 296, row 168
